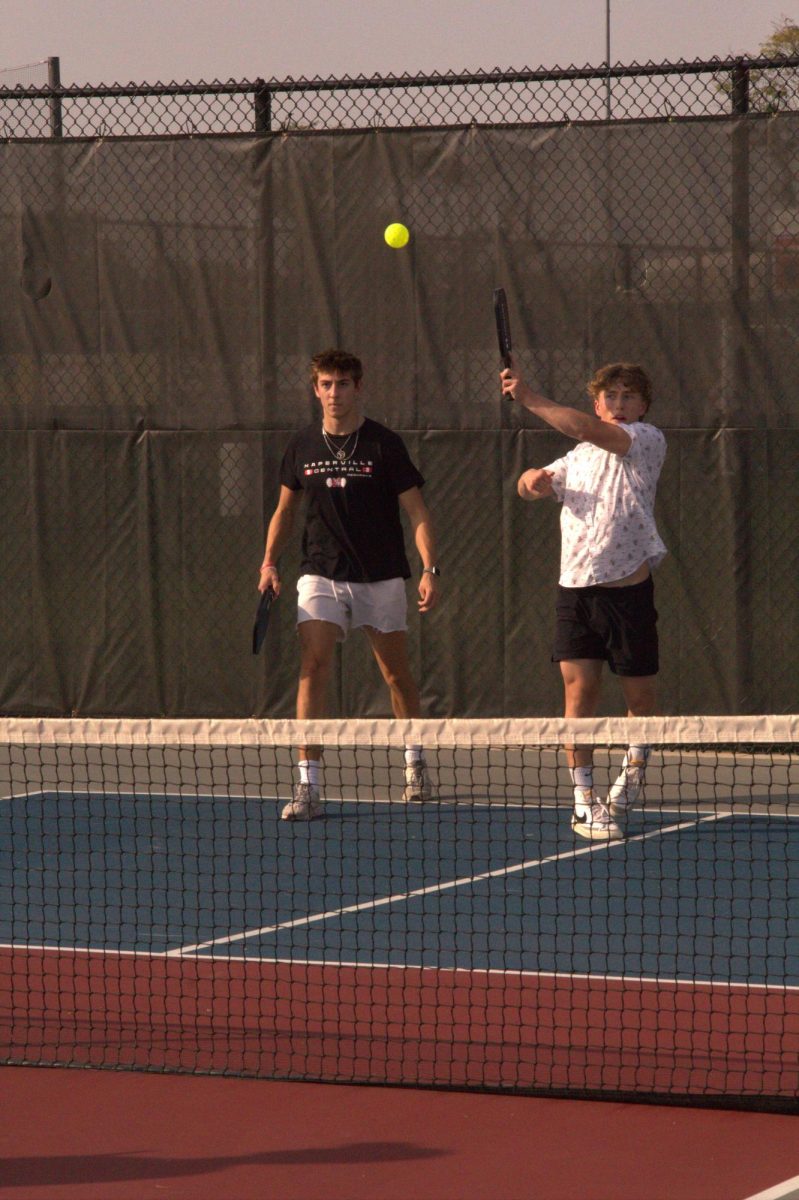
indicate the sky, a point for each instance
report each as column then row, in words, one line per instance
column 152, row 41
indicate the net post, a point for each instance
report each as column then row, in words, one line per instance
column 54, row 82
column 262, row 104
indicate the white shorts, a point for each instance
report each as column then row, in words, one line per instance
column 382, row 605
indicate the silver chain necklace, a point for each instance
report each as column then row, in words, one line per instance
column 340, row 452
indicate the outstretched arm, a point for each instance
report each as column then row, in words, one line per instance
column 535, row 484
column 583, row 427
column 424, row 537
column 278, row 534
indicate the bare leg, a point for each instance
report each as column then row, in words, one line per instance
column 317, row 644
column 640, row 694
column 391, row 653
column 582, row 683
column 582, row 679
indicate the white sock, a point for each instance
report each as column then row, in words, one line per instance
column 637, row 755
column 582, row 777
column 413, row 756
column 310, row 770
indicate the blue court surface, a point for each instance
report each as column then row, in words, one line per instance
column 701, row 894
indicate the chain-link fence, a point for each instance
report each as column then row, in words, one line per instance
column 166, row 290
column 660, row 92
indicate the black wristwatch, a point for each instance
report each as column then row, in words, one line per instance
column 431, row 571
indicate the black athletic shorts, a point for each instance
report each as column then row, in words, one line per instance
column 615, row 624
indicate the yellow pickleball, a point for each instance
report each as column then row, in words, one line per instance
column 397, row 235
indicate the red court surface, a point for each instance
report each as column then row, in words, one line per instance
column 102, row 1135
column 391, row 1024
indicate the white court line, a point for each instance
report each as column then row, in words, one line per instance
column 531, row 806
column 516, row 973
column 691, row 983
column 142, row 794
column 789, row 1190
column 432, row 889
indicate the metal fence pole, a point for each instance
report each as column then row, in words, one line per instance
column 608, row 101
column 54, row 81
column 740, row 87
column 740, row 227
column 740, row 480
column 263, row 107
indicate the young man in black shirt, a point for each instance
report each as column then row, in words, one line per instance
column 356, row 475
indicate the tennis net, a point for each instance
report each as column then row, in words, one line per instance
column 158, row 914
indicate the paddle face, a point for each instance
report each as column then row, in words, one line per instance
column 503, row 325
column 262, row 619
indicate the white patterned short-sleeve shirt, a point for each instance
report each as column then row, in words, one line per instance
column 607, row 522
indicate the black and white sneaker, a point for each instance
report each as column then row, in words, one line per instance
column 591, row 818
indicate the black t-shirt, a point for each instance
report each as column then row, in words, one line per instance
column 353, row 531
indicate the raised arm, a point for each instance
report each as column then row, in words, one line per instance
column 422, row 525
column 277, row 535
column 582, row 426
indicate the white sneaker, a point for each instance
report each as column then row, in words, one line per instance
column 417, row 784
column 591, row 819
column 305, row 806
column 626, row 789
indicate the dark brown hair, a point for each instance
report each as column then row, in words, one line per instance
column 340, row 361
column 630, row 374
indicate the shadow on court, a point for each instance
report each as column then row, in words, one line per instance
column 97, row 1168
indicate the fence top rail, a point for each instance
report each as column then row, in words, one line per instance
column 406, row 80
